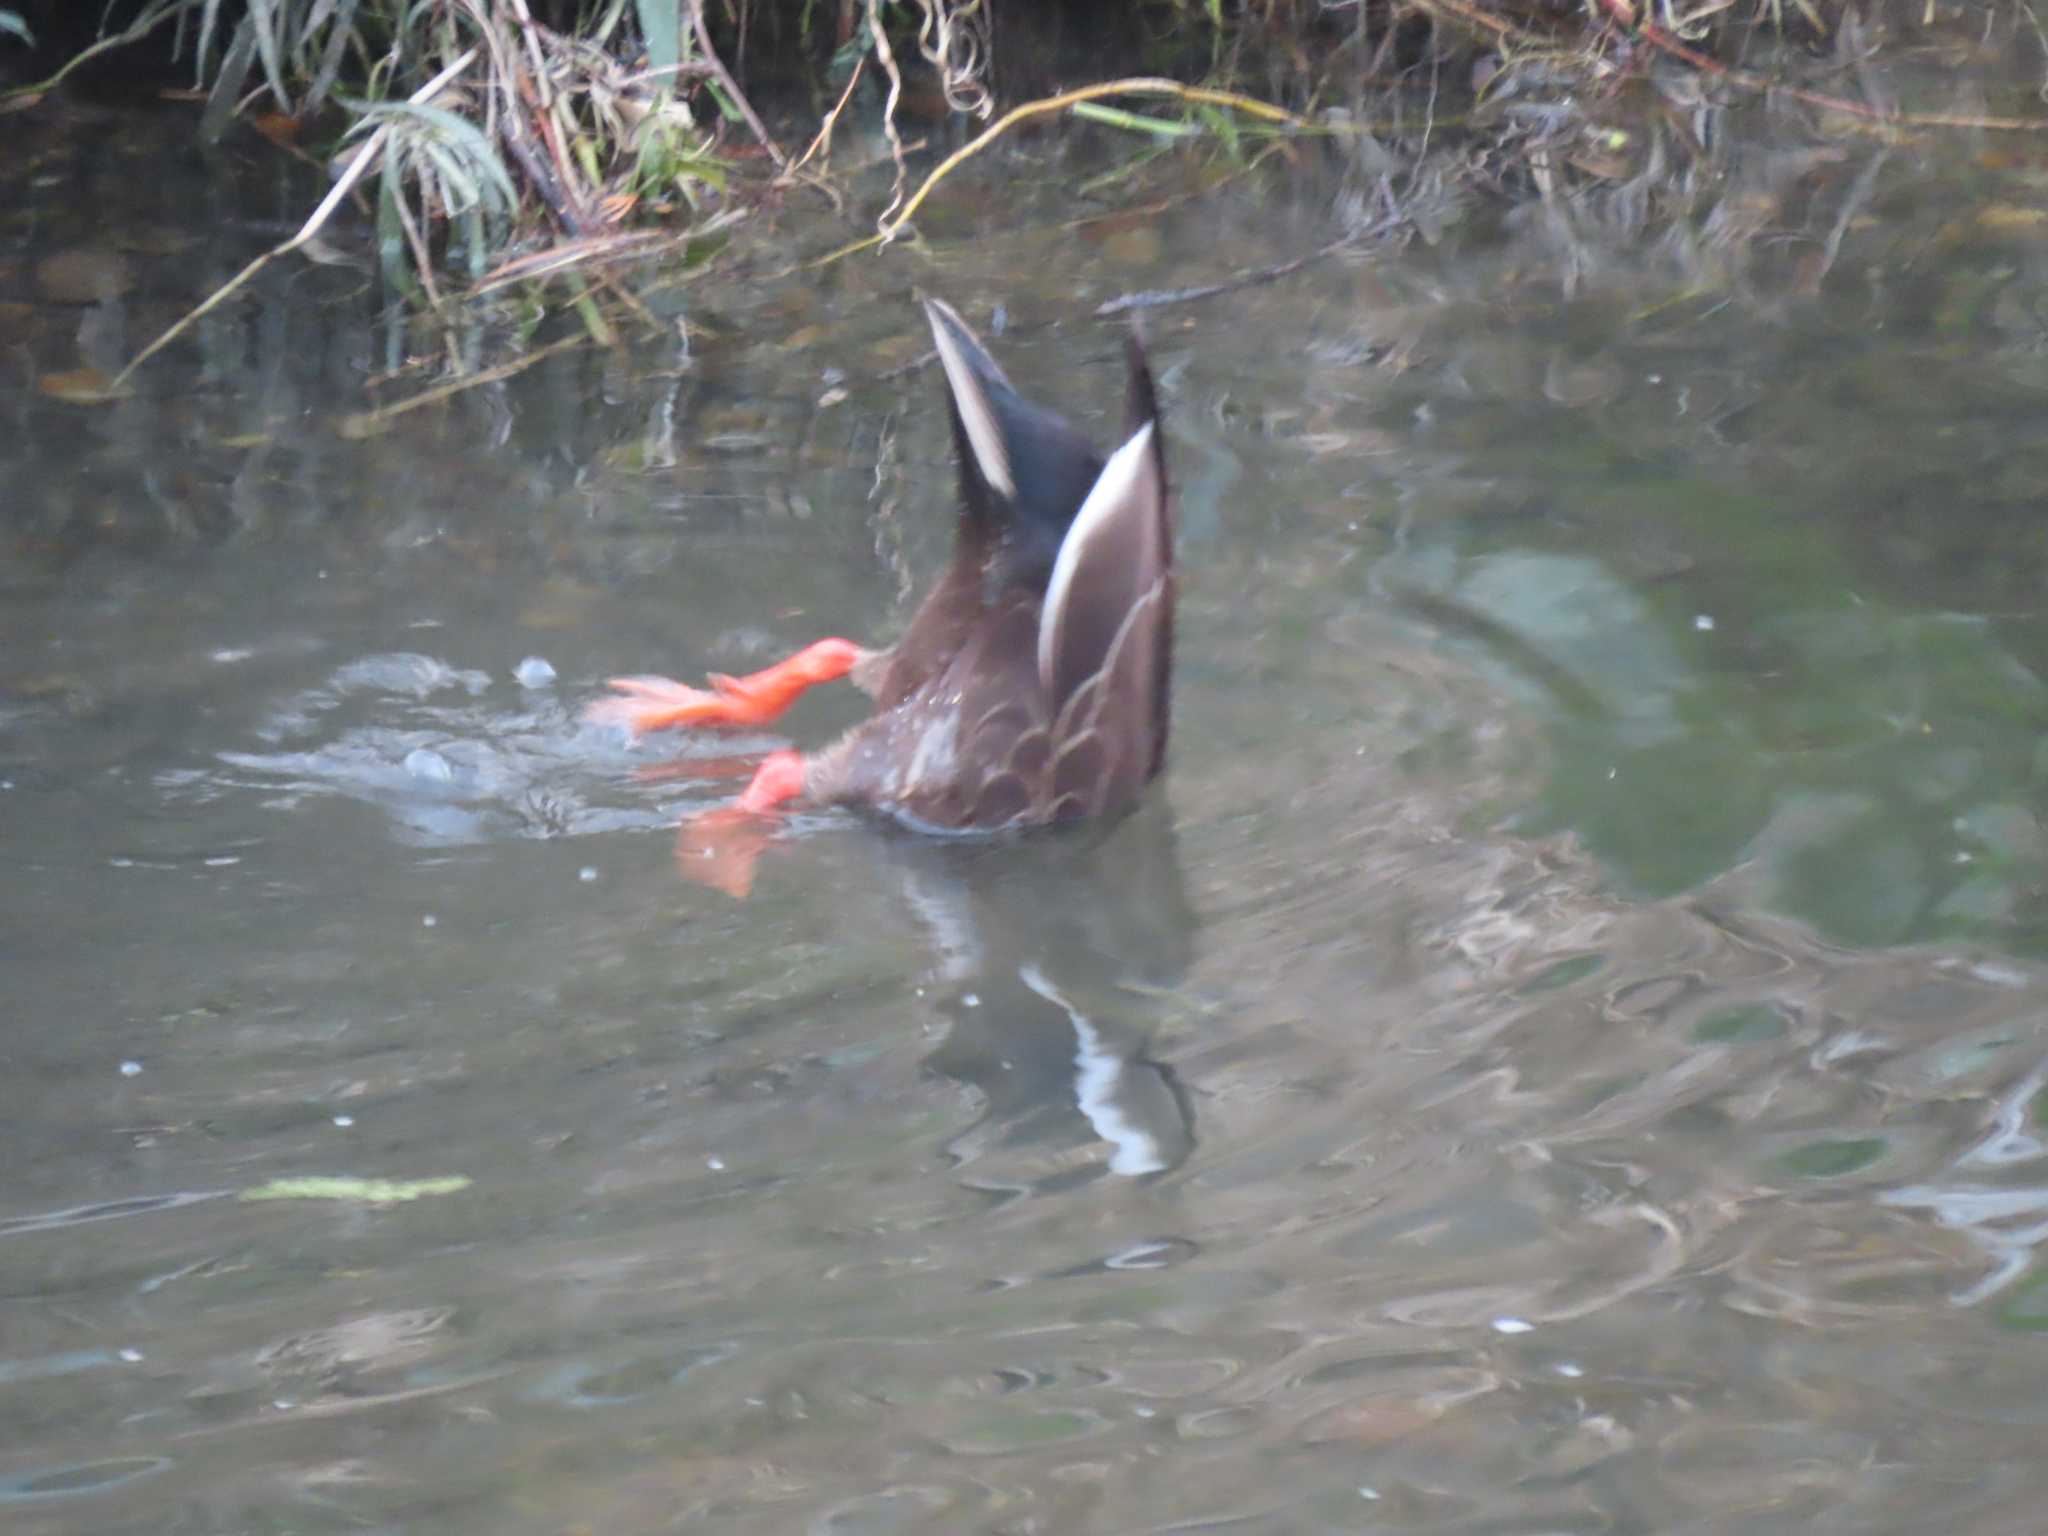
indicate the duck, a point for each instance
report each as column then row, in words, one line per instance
column 1033, row 684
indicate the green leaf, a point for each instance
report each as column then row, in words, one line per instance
column 473, row 242
column 330, row 61
column 459, row 190
column 227, row 85
column 1136, row 122
column 1225, row 126
column 587, row 310
column 661, row 26
column 438, row 125
column 10, row 21
column 391, row 245
column 266, row 18
column 726, row 108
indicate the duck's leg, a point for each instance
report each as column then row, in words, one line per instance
column 779, row 779
column 719, row 848
column 655, row 703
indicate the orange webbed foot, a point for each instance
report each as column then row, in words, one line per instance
column 655, row 703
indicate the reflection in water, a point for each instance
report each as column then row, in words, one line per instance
column 1130, row 1103
column 1053, row 951
column 2009, row 1221
column 74, row 1481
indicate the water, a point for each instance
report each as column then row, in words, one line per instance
column 1564, row 1051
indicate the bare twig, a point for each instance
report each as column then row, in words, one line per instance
column 358, row 168
column 596, row 250
column 1141, row 86
column 423, row 263
column 363, row 423
column 529, row 106
column 1478, row 20
column 823, row 142
column 954, row 42
column 1160, row 298
column 1853, row 204
column 731, row 86
column 1622, row 14
column 135, row 33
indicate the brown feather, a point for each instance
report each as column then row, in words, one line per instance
column 1025, row 690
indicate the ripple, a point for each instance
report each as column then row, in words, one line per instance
column 80, row 1478
column 1219, row 1423
column 584, row 1384
column 437, row 756
column 70, row 1364
column 107, row 1210
column 1005, row 1433
column 906, row 1508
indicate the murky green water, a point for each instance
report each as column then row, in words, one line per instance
column 1565, row 1051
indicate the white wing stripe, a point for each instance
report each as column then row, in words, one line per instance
column 1111, row 491
column 983, row 433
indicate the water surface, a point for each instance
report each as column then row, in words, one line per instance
column 1564, row 1050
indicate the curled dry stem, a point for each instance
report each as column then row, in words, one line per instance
column 1140, row 86
column 953, row 37
column 887, row 59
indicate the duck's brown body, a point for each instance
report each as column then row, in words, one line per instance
column 1033, row 683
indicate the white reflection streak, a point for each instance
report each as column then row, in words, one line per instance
column 2010, row 1141
column 1985, row 1214
column 952, row 929
column 1098, row 1075
column 1973, row 1211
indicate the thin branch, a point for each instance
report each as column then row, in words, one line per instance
column 1160, row 298
column 824, row 139
column 1749, row 80
column 135, row 33
column 591, row 251
column 358, row 168
column 731, row 86
column 1141, row 86
column 363, row 423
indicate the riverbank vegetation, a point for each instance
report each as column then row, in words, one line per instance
column 532, row 147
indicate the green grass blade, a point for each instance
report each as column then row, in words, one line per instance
column 343, row 27
column 1136, row 122
column 227, row 85
column 456, row 132
column 661, row 26
column 268, row 19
